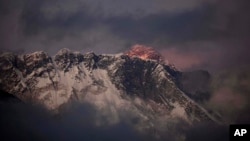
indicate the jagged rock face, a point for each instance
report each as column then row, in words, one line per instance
column 112, row 83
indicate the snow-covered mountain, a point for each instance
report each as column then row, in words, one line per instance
column 111, row 83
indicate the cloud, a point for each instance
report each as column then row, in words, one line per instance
column 230, row 95
column 232, row 105
column 231, row 19
column 31, row 122
column 69, row 19
column 141, row 8
column 214, row 56
column 182, row 60
column 80, row 121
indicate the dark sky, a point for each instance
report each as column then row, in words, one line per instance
column 208, row 34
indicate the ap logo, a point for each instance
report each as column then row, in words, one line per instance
column 239, row 132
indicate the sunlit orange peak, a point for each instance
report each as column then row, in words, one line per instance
column 144, row 52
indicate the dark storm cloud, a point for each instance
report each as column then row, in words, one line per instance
column 169, row 27
column 150, row 27
column 232, row 18
column 42, row 25
column 206, row 21
column 51, row 25
column 57, row 16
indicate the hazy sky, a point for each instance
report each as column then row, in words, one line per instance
column 209, row 34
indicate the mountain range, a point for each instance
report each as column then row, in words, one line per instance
column 114, row 84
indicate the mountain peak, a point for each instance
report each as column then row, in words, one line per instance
column 144, row 52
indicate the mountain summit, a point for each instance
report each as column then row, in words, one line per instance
column 144, row 52
column 111, row 83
